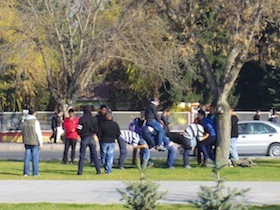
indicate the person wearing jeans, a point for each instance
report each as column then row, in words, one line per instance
column 130, row 138
column 31, row 153
column 208, row 143
column 150, row 135
column 87, row 128
column 33, row 142
column 107, row 156
column 154, row 121
column 234, row 135
column 88, row 142
column 109, row 131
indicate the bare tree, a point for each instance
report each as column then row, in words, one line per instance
column 73, row 38
column 150, row 51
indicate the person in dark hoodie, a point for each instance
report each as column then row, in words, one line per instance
column 87, row 128
column 109, row 131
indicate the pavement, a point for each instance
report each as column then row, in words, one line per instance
column 5, row 146
column 104, row 192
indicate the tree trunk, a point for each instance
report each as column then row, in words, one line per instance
column 223, row 123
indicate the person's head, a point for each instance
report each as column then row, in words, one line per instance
column 156, row 101
column 258, row 112
column 87, row 109
column 142, row 113
column 166, row 112
column 71, row 112
column 109, row 115
column 32, row 111
column 60, row 113
column 211, row 109
column 103, row 109
column 201, row 114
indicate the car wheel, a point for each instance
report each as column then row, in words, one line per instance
column 274, row 150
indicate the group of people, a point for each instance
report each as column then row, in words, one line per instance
column 273, row 116
column 145, row 132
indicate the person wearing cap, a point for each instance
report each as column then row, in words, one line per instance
column 153, row 120
column 87, row 128
column 33, row 141
column 71, row 136
column 210, row 142
column 109, row 131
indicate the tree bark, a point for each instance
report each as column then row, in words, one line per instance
column 223, row 123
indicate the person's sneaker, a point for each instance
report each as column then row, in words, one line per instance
column 79, row 174
column 71, row 163
column 171, row 167
column 209, row 162
column 187, row 167
column 122, row 168
column 25, row 175
column 160, row 148
column 171, row 144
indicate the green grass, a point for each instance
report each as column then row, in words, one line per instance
column 267, row 170
column 51, row 206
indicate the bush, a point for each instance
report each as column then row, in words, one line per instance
column 142, row 194
column 212, row 198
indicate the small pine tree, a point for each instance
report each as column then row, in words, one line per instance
column 142, row 194
column 212, row 198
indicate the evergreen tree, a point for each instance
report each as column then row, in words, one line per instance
column 142, row 194
column 213, row 198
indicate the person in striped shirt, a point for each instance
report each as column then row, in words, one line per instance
column 131, row 138
column 193, row 133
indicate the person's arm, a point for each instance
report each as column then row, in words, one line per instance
column 144, row 146
column 80, row 126
column 132, row 125
column 118, row 131
column 155, row 112
column 39, row 133
column 53, row 123
column 204, row 137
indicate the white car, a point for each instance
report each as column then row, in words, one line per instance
column 258, row 137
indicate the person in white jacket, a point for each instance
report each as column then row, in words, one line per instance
column 33, row 141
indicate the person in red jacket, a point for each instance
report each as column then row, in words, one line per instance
column 71, row 136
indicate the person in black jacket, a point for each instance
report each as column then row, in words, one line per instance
column 153, row 120
column 101, row 115
column 234, row 135
column 87, row 128
column 56, row 123
column 109, row 131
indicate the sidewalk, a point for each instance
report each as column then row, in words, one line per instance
column 20, row 147
column 104, row 192
column 46, row 147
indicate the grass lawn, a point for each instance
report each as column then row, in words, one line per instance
column 51, row 206
column 267, row 170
